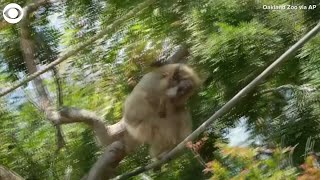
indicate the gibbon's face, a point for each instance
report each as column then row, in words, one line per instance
column 188, row 81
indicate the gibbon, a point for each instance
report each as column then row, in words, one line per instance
column 155, row 112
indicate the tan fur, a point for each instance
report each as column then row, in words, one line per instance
column 150, row 96
column 182, row 83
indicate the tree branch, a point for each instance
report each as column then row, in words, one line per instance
column 105, row 134
column 9, row 174
column 59, row 91
column 114, row 153
column 111, row 28
column 230, row 104
column 28, row 52
column 60, row 138
column 104, row 167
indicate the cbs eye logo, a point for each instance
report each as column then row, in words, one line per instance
column 12, row 13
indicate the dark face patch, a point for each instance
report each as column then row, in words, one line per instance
column 184, row 87
column 176, row 74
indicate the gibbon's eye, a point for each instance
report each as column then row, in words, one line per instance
column 12, row 13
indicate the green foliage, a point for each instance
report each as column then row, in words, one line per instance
column 234, row 51
column 184, row 167
column 246, row 163
column 231, row 12
column 231, row 42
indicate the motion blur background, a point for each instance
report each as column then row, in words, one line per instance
column 230, row 42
